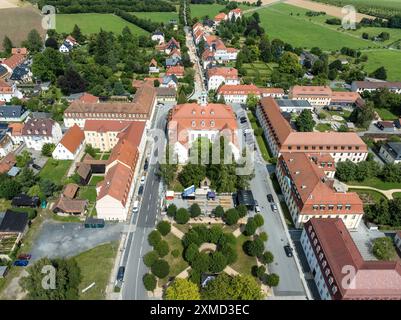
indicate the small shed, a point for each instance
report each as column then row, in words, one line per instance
column 245, row 197
column 94, row 223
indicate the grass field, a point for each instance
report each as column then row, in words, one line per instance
column 258, row 72
column 396, row 195
column 386, row 114
column 376, row 183
column 93, row 22
column 55, row 170
column 244, row 262
column 368, row 196
column 390, row 59
column 163, row 17
column 376, row 6
column 96, row 265
column 323, row 127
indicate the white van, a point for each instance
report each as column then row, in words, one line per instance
column 135, row 207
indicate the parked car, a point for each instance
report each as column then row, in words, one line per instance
column 35, row 166
column 288, row 250
column 257, row 208
column 135, row 207
column 140, row 190
column 146, row 165
column 21, row 263
column 242, row 119
column 143, row 180
column 270, row 198
column 120, row 274
column 274, row 207
column 24, row 256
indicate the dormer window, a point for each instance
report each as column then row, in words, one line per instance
column 212, row 123
column 202, row 123
column 203, row 112
column 212, row 112
column 193, row 112
column 193, row 123
column 334, row 289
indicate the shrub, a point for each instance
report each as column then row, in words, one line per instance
column 242, row 210
column 272, row 280
column 215, row 233
column 150, row 258
column 154, row 238
column 191, row 252
column 162, row 248
column 383, row 249
column 195, row 210
column 160, row 268
column 250, row 227
column 217, row 262
column 191, row 237
column 259, row 220
column 164, row 227
column 258, row 271
column 149, row 281
column 227, row 239
column 254, row 248
column 175, row 253
column 172, row 210
column 230, row 253
column 231, row 217
column 218, row 211
column 267, row 257
column 263, row 236
column 182, row 216
column 201, row 262
column 203, row 233
column 194, row 276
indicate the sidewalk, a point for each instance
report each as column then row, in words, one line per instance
column 110, row 294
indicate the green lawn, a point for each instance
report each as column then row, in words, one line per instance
column 322, row 127
column 368, row 196
column 88, row 193
column 300, row 32
column 163, row 17
column 96, row 265
column 93, row 22
column 376, row 183
column 244, row 262
column 106, row 156
column 389, row 59
column 260, row 139
column 386, row 114
column 55, row 170
column 287, row 214
column 4, row 205
column 396, row 195
column 95, row 180
column 258, row 72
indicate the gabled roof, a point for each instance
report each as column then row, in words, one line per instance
column 73, row 138
column 177, row 70
column 221, row 16
column 14, row 61
column 38, row 127
column 23, row 51
column 12, row 111
column 153, row 63
column 226, row 72
column 88, row 98
column 14, row 222
column 70, row 190
column 70, row 205
column 167, row 79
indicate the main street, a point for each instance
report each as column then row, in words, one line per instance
column 140, row 225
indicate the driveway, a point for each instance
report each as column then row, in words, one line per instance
column 69, row 239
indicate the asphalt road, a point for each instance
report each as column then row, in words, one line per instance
column 142, row 223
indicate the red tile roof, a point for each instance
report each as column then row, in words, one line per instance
column 373, row 279
column 226, row 72
column 16, row 128
column 23, row 51
column 302, row 91
column 88, row 98
column 350, row 97
column 221, row 16
column 14, row 61
column 241, row 89
column 73, row 138
column 7, row 162
column 106, row 125
column 177, row 70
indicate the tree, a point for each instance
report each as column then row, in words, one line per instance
column 252, row 101
column 259, row 220
column 48, row 149
column 162, row 248
column 305, row 122
column 192, row 174
column 242, row 210
column 250, row 227
column 191, row 252
column 149, row 282
column 71, row 82
column 214, row 234
column 272, row 280
column 90, row 150
column 164, row 227
column 160, row 268
column 68, row 278
column 7, row 45
column 9, row 188
column 201, row 262
column 26, row 179
column 383, row 249
column 289, row 64
column 171, row 210
column 182, row 289
column 51, row 43
column 231, row 216
column 34, row 41
column 258, row 272
column 23, row 159
column 263, row 236
column 267, row 257
column 254, row 248
column 182, row 216
column 379, row 73
column 195, row 210
column 154, row 238
column 217, row 262
column 346, row 171
column 48, row 187
column 48, row 65
column 218, row 211
column 150, row 258
column 77, row 34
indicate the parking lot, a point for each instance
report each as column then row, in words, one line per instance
column 69, row 239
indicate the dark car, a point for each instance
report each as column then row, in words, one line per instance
column 35, row 166
column 146, row 165
column 24, row 256
column 140, row 190
column 288, row 250
column 274, row 207
column 21, row 263
column 242, row 120
column 120, row 274
column 270, row 197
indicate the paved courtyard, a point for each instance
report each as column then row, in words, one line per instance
column 69, row 239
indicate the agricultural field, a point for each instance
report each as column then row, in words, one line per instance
column 390, row 59
column 162, row 17
column 281, row 21
column 93, row 22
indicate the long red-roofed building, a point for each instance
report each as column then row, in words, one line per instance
column 340, row 272
column 239, row 93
